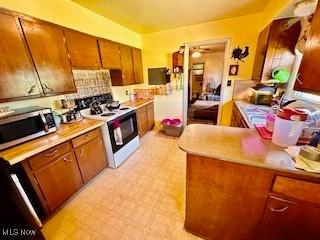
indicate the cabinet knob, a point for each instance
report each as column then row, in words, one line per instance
column 279, row 209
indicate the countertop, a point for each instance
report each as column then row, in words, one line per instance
column 65, row 132
column 137, row 103
column 238, row 145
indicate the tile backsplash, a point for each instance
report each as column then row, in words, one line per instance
column 90, row 83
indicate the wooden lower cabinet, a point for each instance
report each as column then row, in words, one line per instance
column 226, row 200
column 285, row 219
column 90, row 158
column 57, row 173
column 145, row 118
column 236, row 119
column 59, row 180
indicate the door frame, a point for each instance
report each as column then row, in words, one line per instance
column 223, row 96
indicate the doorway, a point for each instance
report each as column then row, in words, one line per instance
column 205, row 67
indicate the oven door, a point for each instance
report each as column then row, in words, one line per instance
column 129, row 130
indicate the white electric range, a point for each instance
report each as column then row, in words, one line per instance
column 117, row 154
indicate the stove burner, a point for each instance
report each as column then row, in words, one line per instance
column 107, row 114
column 124, row 108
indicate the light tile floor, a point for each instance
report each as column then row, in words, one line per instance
column 143, row 199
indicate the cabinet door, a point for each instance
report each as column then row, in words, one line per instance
column 284, row 219
column 59, row 180
column 127, row 66
column 142, row 120
column 18, row 75
column 308, row 78
column 91, row 157
column 137, row 65
column 50, row 56
column 110, row 54
column 150, row 116
column 83, row 49
column 261, row 52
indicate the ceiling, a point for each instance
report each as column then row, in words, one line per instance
column 146, row 16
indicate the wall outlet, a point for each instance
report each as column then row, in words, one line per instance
column 127, row 92
column 229, row 83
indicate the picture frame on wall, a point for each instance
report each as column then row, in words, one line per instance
column 233, row 70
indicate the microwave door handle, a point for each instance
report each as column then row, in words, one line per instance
column 44, row 121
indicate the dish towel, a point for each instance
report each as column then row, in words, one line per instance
column 117, row 132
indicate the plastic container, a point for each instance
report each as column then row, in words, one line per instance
column 286, row 132
column 172, row 127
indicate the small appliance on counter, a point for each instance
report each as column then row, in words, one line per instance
column 262, row 94
column 26, row 124
column 71, row 117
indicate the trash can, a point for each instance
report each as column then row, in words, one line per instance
column 172, row 127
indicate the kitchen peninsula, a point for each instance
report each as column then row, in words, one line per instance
column 240, row 186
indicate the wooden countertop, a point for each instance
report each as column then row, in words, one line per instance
column 237, row 145
column 137, row 103
column 65, row 132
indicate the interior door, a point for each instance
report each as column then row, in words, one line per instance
column 18, row 75
column 49, row 52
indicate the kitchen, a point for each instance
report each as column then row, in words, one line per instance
column 93, row 161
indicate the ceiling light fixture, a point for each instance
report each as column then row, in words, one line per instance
column 196, row 54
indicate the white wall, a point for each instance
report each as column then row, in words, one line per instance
column 168, row 106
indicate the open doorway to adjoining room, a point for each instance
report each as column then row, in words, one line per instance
column 205, row 68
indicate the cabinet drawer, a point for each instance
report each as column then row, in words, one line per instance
column 42, row 159
column 76, row 142
column 298, row 189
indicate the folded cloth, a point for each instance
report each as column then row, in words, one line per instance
column 302, row 162
column 117, row 132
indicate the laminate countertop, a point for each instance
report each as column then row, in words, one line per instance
column 238, row 145
column 137, row 103
column 65, row 132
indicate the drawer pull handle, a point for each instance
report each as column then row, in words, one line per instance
column 81, row 152
column 67, row 160
column 51, row 154
column 279, row 210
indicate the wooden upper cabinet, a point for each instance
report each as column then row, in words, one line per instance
column 137, row 65
column 261, row 52
column 83, row 49
column 124, row 76
column 49, row 53
column 110, row 54
column 308, row 77
column 18, row 76
column 275, row 48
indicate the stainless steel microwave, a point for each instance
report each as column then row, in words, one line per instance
column 25, row 124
